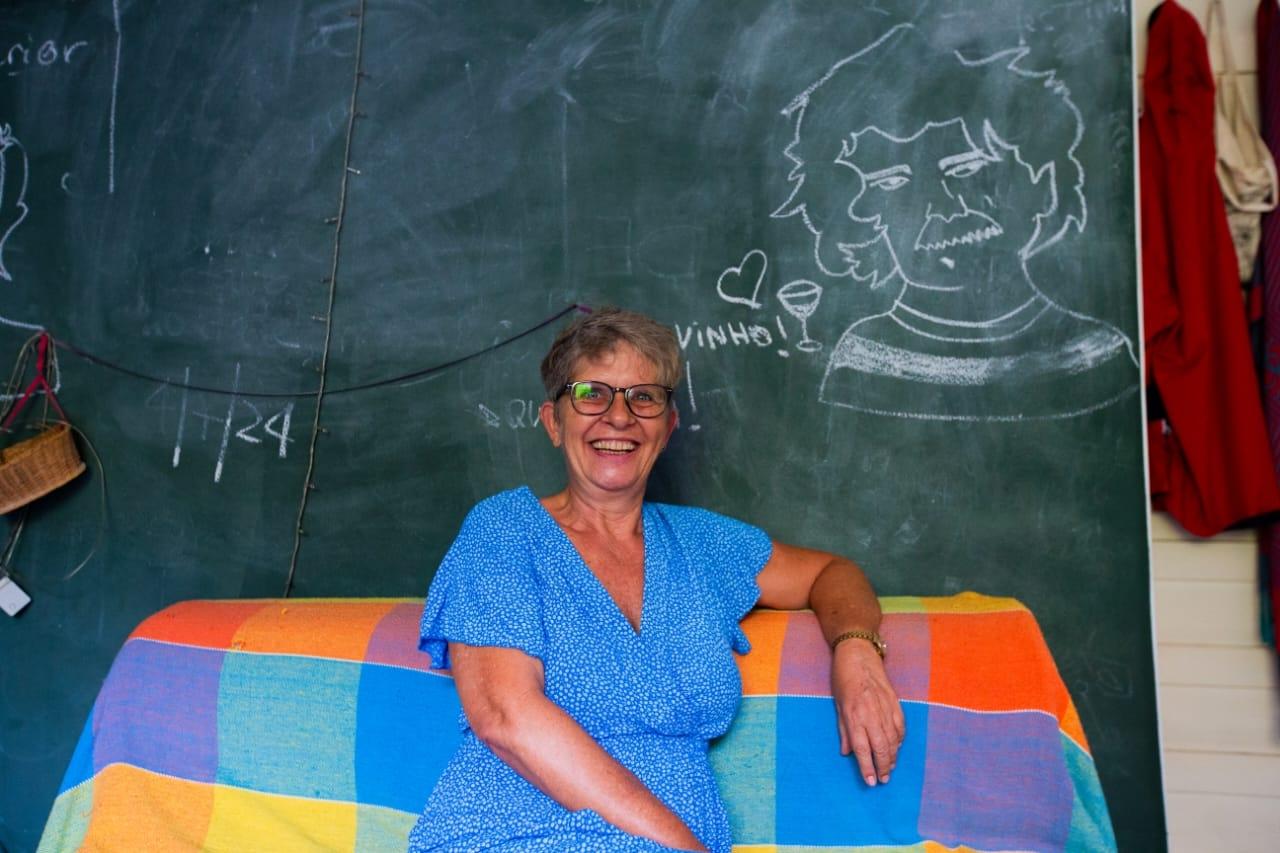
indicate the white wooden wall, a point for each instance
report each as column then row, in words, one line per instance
column 1218, row 692
column 1218, row 688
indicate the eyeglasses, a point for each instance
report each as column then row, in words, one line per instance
column 594, row 398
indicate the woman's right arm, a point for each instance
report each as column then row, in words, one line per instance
column 502, row 693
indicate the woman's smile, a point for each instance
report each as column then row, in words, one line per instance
column 614, row 447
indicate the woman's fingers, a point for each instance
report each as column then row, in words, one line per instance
column 885, row 752
column 875, row 751
column 860, row 734
column 895, row 731
column 869, row 716
column 862, row 752
column 895, row 727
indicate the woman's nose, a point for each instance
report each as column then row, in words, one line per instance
column 618, row 412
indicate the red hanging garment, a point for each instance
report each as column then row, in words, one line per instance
column 1211, row 463
column 1268, row 36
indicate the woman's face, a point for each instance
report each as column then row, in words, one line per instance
column 615, row 451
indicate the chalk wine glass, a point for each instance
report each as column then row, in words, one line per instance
column 800, row 299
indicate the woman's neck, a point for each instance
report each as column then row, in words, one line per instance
column 617, row 516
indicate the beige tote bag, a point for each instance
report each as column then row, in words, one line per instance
column 1246, row 169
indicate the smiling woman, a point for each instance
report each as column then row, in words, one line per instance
column 591, row 633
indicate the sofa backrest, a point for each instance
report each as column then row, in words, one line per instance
column 308, row 725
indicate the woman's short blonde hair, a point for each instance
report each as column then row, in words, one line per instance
column 592, row 335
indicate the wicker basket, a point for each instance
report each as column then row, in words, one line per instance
column 36, row 466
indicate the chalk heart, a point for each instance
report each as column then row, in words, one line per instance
column 736, row 282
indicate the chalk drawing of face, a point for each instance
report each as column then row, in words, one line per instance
column 946, row 207
column 939, row 180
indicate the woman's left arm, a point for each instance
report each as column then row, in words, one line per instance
column 868, row 713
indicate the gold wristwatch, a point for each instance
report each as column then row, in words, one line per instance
column 870, row 636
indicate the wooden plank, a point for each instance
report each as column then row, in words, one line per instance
column 1218, row 666
column 1207, row 823
column 1221, row 719
column 1221, row 773
column 1230, row 560
column 1207, row 613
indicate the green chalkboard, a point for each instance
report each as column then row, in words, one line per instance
column 896, row 241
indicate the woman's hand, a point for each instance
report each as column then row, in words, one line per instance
column 868, row 713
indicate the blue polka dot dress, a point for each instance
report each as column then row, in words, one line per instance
column 652, row 699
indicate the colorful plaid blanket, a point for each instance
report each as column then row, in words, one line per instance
column 300, row 725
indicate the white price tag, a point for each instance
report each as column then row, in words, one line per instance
column 12, row 598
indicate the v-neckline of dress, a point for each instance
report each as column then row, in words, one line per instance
column 636, row 632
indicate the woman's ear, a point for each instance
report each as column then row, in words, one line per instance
column 547, row 415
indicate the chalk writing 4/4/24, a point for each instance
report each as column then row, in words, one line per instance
column 197, row 417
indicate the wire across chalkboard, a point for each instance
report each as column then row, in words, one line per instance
column 349, row 389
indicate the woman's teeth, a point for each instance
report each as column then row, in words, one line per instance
column 614, row 446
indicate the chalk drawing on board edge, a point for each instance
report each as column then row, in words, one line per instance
column 17, row 324
column 13, row 190
column 115, row 97
column 946, row 210
column 182, row 417
column 564, row 187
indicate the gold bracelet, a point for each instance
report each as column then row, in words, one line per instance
column 870, row 636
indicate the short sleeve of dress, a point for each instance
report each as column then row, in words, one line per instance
column 728, row 554
column 485, row 591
